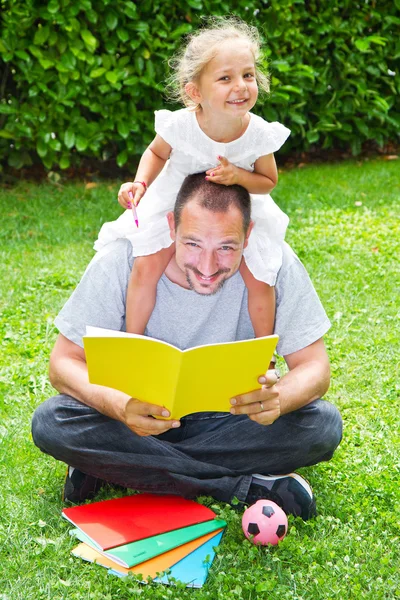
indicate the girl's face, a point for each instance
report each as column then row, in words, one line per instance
column 227, row 85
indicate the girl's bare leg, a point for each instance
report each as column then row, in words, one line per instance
column 142, row 288
column 261, row 302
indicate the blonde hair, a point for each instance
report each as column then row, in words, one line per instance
column 202, row 46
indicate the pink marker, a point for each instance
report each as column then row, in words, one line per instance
column 134, row 209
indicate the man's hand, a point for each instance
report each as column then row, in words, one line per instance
column 225, row 173
column 138, row 417
column 307, row 379
column 263, row 405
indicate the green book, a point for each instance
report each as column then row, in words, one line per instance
column 137, row 552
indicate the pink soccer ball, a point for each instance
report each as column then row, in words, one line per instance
column 264, row 523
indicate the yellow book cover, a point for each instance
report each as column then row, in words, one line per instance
column 203, row 378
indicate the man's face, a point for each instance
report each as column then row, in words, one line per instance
column 209, row 246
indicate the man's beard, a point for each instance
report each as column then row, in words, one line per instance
column 196, row 271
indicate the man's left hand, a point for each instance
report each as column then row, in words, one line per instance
column 225, row 173
column 263, row 405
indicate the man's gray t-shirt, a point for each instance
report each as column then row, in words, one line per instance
column 183, row 317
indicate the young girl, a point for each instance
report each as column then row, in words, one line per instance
column 217, row 78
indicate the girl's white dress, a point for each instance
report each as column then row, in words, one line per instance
column 194, row 152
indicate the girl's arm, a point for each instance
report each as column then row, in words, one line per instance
column 261, row 181
column 153, row 159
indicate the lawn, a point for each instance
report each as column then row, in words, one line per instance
column 344, row 226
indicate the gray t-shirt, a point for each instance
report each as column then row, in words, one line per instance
column 183, row 317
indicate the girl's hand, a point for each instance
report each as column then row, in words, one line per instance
column 225, row 173
column 137, row 189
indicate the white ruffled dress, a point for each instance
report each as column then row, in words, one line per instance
column 194, row 152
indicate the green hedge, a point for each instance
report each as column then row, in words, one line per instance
column 81, row 78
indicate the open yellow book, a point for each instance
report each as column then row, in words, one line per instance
column 203, row 378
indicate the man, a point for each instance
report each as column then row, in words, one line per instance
column 105, row 435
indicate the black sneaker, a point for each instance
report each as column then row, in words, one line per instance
column 79, row 487
column 291, row 492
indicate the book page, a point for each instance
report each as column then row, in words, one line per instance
column 139, row 366
column 212, row 375
column 101, row 332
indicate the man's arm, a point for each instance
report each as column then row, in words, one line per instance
column 69, row 375
column 308, row 379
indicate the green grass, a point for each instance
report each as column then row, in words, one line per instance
column 351, row 550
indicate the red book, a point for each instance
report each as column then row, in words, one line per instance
column 120, row 521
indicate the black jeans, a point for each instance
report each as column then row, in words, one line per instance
column 210, row 454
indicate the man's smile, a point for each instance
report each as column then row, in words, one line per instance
column 204, row 281
column 209, row 279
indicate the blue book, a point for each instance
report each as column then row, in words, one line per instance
column 191, row 570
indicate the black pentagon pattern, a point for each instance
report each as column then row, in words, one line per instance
column 253, row 529
column 280, row 532
column 268, row 511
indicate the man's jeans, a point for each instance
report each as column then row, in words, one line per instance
column 210, row 454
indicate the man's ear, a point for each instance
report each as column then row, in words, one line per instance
column 193, row 92
column 171, row 223
column 248, row 232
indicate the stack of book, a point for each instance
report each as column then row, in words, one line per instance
column 148, row 534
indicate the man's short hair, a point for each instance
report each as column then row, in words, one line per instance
column 214, row 197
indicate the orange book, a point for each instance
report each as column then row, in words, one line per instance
column 149, row 568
